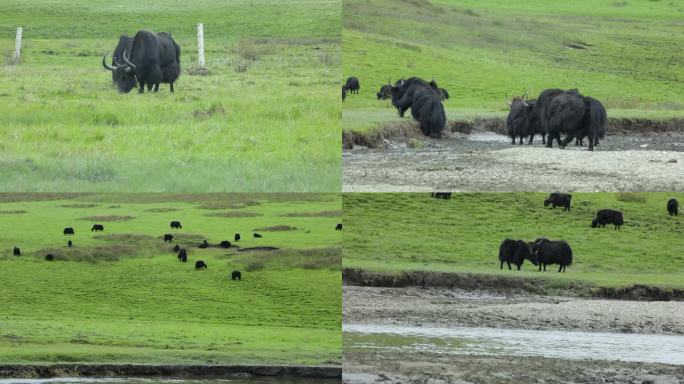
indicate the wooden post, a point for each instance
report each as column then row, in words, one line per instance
column 200, row 44
column 17, row 46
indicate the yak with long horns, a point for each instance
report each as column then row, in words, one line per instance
column 153, row 58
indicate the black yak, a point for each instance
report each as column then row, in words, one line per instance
column 385, row 92
column 552, row 252
column 673, row 207
column 97, row 228
column 16, row 251
column 124, row 45
column 352, row 85
column 68, row 231
column 441, row 195
column 168, row 237
column 203, row 244
column 49, row 257
column 515, row 251
column 153, row 58
column 182, row 255
column 176, row 225
column 570, row 113
column 69, row 243
column 237, row 237
column 558, row 200
column 257, row 236
column 608, row 216
column 225, row 244
column 236, row 275
column 596, row 120
column 338, row 227
column 523, row 121
column 424, row 101
column 200, row 265
column 176, row 248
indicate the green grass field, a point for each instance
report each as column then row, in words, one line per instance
column 122, row 296
column 482, row 50
column 412, row 231
column 272, row 127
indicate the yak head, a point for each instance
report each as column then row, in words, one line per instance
column 518, row 101
column 547, row 202
column 594, row 223
column 124, row 74
column 526, row 252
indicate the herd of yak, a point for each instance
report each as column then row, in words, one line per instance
column 145, row 60
column 543, row 252
column 554, row 112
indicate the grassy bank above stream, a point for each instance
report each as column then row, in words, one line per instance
column 481, row 51
column 401, row 232
column 122, row 296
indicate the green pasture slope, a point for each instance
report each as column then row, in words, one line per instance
column 412, row 231
column 626, row 53
column 266, row 118
column 121, row 296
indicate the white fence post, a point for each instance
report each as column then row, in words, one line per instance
column 17, row 46
column 200, row 44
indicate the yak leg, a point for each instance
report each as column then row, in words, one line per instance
column 502, row 264
column 518, row 267
column 560, row 268
column 509, row 265
column 156, row 87
column 149, row 87
column 568, row 139
column 142, row 88
column 171, row 87
column 591, row 135
column 520, row 141
column 543, row 138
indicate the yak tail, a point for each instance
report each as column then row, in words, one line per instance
column 597, row 119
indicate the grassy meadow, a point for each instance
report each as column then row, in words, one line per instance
column 121, row 296
column 625, row 53
column 413, row 231
column 265, row 118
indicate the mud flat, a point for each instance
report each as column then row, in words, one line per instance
column 443, row 307
column 385, row 366
column 486, row 161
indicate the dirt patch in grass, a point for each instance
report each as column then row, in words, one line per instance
column 94, row 254
column 107, row 218
column 631, row 197
column 9, row 197
column 315, row 258
column 276, row 228
column 233, row 214
column 214, row 110
column 161, row 210
column 469, row 281
column 199, row 71
column 313, row 214
column 12, row 212
column 125, row 237
column 79, row 205
column 257, row 249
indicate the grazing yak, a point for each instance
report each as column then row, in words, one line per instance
column 608, row 216
column 550, row 252
column 199, row 264
column 176, row 248
column 176, row 225
column 16, row 251
column 203, row 244
column 236, row 275
column 68, row 231
column 522, row 120
column 673, row 207
column 352, row 85
column 182, row 255
column 572, row 114
column 237, row 237
column 425, row 103
column 441, row 195
column 558, row 200
column 49, row 257
column 153, row 58
column 515, row 251
column 125, row 44
column 225, row 244
column 168, row 237
column 97, row 228
column 69, row 243
column 257, row 236
column 338, row 227
column 385, row 91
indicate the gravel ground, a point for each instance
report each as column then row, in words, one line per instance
column 445, row 307
column 428, row 368
column 485, row 161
